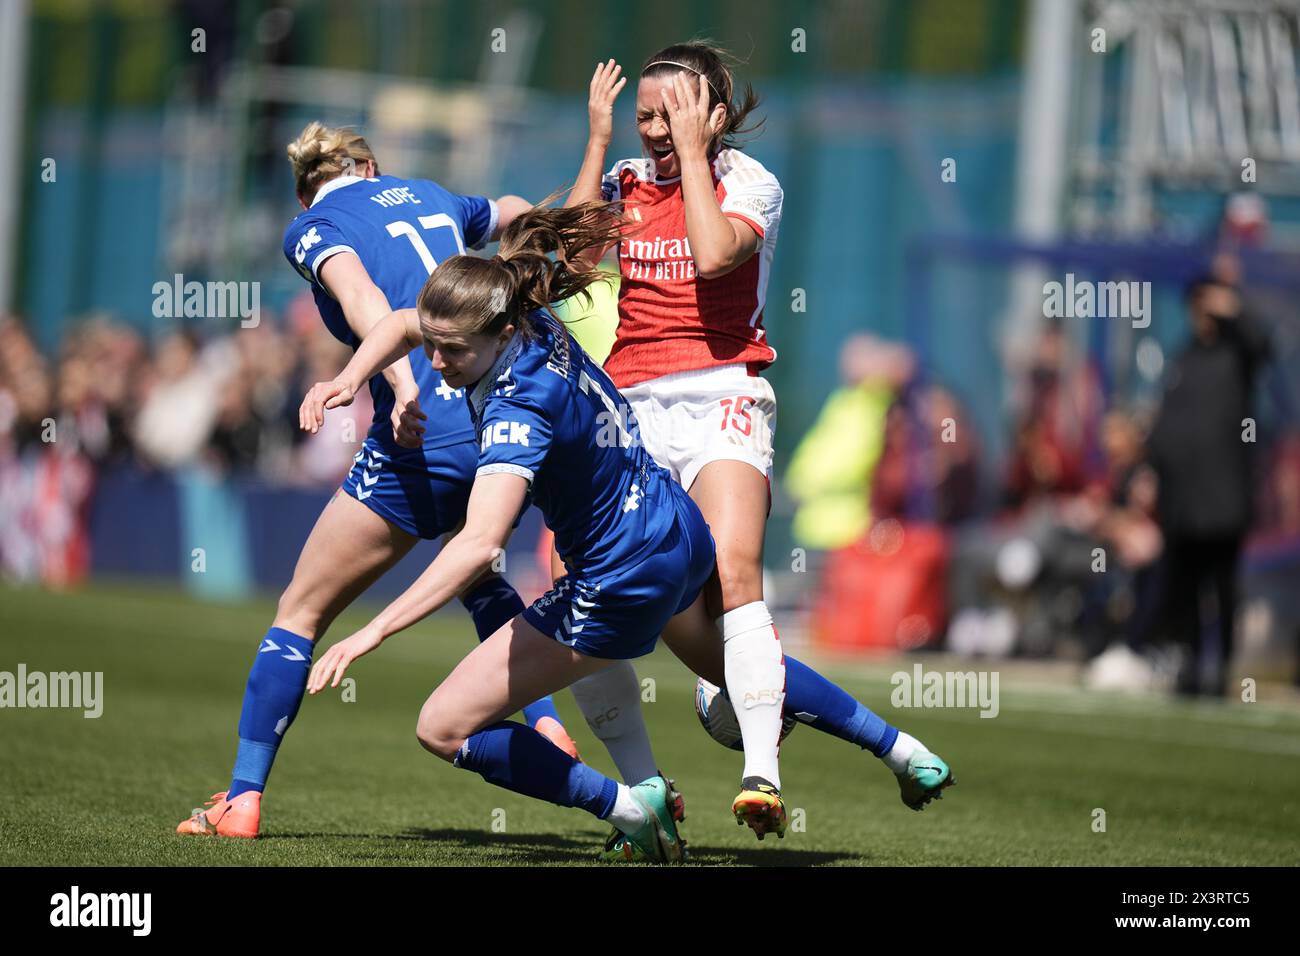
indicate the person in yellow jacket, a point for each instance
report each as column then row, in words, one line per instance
column 831, row 471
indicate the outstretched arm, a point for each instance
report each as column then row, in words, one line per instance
column 390, row 338
column 603, row 91
column 493, row 504
column 364, row 306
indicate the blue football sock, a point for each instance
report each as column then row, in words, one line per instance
column 544, row 707
column 518, row 758
column 815, row 701
column 490, row 605
column 271, row 700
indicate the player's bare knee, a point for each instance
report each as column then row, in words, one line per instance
column 294, row 615
column 740, row 582
column 436, row 737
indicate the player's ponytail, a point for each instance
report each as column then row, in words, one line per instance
column 715, row 65
column 484, row 295
column 320, row 153
column 528, row 243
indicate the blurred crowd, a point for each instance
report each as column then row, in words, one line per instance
column 109, row 398
column 1112, row 533
column 228, row 402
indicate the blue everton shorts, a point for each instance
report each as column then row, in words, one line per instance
column 424, row 491
column 621, row 614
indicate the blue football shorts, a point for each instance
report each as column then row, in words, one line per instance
column 620, row 614
column 424, row 491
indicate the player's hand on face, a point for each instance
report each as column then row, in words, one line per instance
column 604, row 89
column 333, row 664
column 689, row 119
column 323, row 395
column 406, row 419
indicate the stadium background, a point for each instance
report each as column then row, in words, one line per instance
column 169, row 160
column 172, row 162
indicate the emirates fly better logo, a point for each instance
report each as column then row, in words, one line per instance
column 658, row 258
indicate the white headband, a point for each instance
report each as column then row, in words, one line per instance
column 684, row 67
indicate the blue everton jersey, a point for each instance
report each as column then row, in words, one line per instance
column 550, row 414
column 400, row 229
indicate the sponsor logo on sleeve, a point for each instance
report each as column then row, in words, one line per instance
column 504, row 433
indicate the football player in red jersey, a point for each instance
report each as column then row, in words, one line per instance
column 694, row 263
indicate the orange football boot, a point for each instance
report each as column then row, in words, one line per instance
column 554, row 731
column 227, row 818
column 760, row 805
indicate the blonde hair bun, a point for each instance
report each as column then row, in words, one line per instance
column 320, row 153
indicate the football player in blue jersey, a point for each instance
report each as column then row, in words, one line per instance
column 552, row 430
column 538, row 438
column 366, row 242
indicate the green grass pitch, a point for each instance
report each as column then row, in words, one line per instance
column 1180, row 783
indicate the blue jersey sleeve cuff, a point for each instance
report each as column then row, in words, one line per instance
column 493, row 217
column 325, row 254
column 505, row 468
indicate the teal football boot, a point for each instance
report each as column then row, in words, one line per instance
column 926, row 778
column 657, row 841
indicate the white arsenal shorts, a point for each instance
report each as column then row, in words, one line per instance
column 689, row 419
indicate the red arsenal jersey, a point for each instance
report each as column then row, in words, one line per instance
column 670, row 319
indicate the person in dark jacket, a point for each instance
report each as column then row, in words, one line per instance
column 1200, row 448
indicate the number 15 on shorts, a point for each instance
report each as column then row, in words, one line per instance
column 735, row 412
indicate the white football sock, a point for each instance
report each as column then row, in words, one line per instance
column 627, row 814
column 755, row 671
column 897, row 758
column 610, row 699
